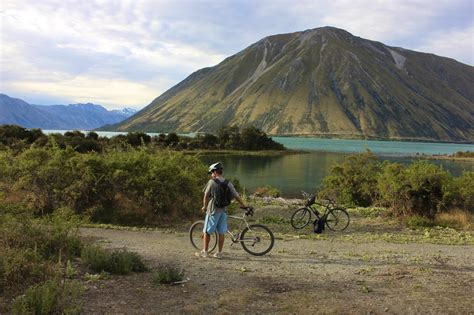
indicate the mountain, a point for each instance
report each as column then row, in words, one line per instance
column 322, row 82
column 74, row 116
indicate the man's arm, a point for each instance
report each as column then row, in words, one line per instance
column 240, row 201
column 205, row 202
column 205, row 199
column 237, row 196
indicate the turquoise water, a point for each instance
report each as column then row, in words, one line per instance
column 378, row 147
column 344, row 146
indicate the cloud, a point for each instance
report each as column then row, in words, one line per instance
column 112, row 93
column 59, row 47
column 63, row 49
column 458, row 44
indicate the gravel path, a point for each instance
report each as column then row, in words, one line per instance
column 297, row 276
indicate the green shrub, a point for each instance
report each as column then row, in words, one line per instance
column 354, row 181
column 31, row 249
column 116, row 262
column 267, row 191
column 95, row 257
column 51, row 297
column 134, row 187
column 417, row 222
column 420, row 188
column 459, row 193
column 22, row 267
column 369, row 212
column 63, row 242
column 166, row 274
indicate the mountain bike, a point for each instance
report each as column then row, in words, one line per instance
column 255, row 239
column 335, row 217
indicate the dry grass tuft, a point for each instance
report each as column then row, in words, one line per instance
column 456, row 219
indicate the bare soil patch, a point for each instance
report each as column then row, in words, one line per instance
column 337, row 273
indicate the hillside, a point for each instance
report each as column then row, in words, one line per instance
column 322, row 82
column 74, row 116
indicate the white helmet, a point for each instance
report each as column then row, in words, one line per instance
column 215, row 167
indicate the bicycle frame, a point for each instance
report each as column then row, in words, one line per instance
column 236, row 237
column 314, row 211
column 327, row 206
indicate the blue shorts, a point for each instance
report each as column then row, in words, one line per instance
column 216, row 221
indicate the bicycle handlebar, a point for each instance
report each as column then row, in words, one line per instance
column 329, row 200
column 248, row 211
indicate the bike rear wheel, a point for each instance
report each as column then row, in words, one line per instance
column 257, row 239
column 196, row 235
column 337, row 219
column 300, row 218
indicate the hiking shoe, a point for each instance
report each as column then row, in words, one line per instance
column 202, row 253
column 217, row 255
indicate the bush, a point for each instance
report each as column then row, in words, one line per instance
column 267, row 191
column 133, row 187
column 32, row 249
column 420, row 188
column 22, row 267
column 166, row 274
column 459, row 193
column 19, row 138
column 116, row 262
column 416, row 222
column 51, row 297
column 354, row 181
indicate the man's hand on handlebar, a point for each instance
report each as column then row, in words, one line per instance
column 248, row 210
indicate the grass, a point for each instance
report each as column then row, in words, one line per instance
column 51, row 297
column 368, row 212
column 119, row 261
column 273, row 220
column 456, row 219
column 167, row 274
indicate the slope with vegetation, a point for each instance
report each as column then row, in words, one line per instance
column 323, row 82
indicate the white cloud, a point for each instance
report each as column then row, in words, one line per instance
column 112, row 93
column 58, row 48
column 458, row 44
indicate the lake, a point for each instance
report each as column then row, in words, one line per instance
column 295, row 172
column 292, row 173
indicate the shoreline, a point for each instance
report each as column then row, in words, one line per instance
column 293, row 152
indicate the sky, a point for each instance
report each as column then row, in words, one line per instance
column 126, row 53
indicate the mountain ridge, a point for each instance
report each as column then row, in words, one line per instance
column 86, row 116
column 321, row 82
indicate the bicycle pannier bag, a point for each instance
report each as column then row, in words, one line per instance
column 319, row 226
column 224, row 194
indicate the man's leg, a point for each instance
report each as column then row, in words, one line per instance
column 206, row 238
column 221, row 229
column 221, row 241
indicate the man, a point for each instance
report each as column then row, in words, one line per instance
column 216, row 217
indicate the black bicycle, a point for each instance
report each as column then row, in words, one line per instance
column 335, row 217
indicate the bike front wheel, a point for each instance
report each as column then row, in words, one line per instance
column 337, row 219
column 300, row 218
column 257, row 239
column 196, row 236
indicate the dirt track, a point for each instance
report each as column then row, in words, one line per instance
column 298, row 276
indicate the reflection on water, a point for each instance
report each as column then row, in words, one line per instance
column 295, row 172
